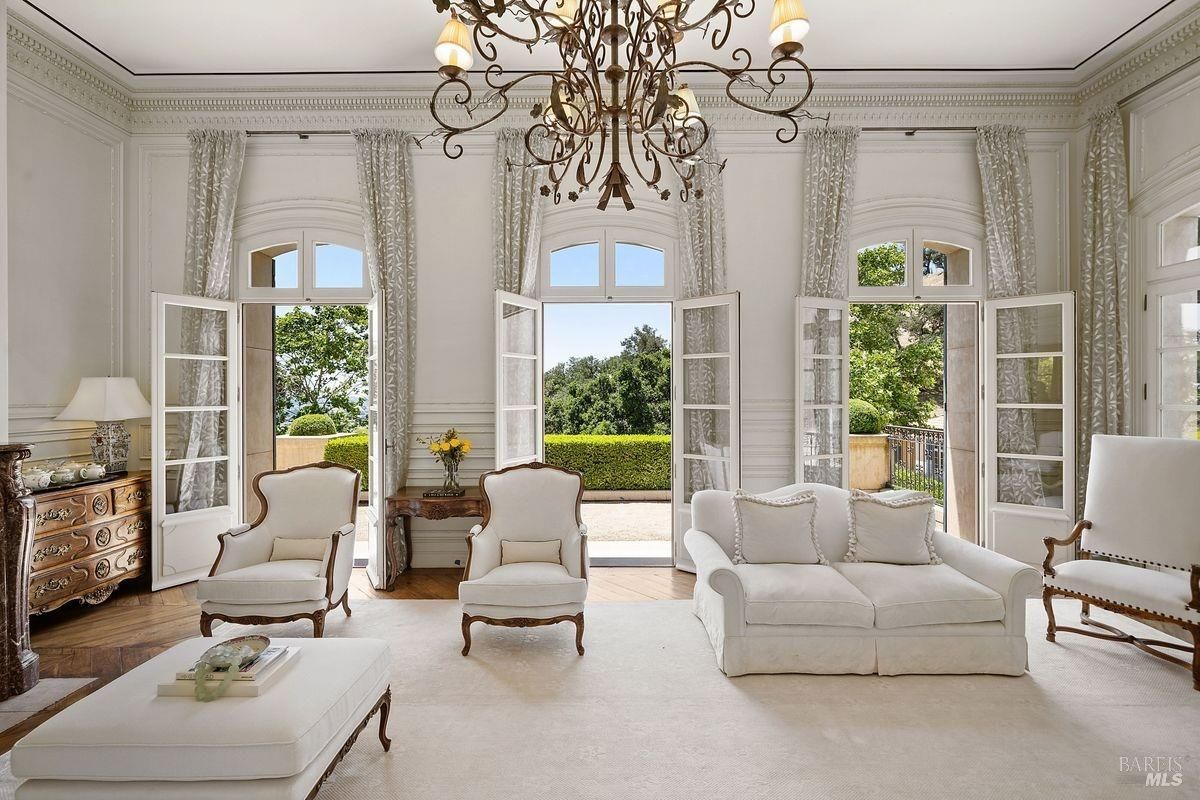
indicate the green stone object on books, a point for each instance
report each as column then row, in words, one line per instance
column 227, row 658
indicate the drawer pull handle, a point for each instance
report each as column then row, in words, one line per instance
column 52, row 585
column 53, row 515
column 51, row 551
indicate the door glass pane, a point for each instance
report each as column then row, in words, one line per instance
column 1029, row 380
column 518, row 330
column 822, row 431
column 706, row 330
column 520, row 381
column 520, row 434
column 275, row 267
column 1181, row 238
column 883, row 264
column 821, row 331
column 196, row 434
column 577, row 265
column 1032, row 329
column 1181, row 319
column 1181, row 377
column 184, row 377
column 196, row 331
column 706, row 433
column 1030, row 482
column 700, row 473
column 193, row 487
column 638, row 265
column 1181, row 424
column 823, row 470
column 1025, row 431
column 337, row 267
column 822, row 380
column 945, row 264
column 706, row 381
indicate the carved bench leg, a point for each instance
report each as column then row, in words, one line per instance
column 1047, row 596
column 466, row 631
column 579, row 632
column 205, row 624
column 318, row 624
column 384, row 709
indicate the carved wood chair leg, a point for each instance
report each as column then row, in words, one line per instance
column 205, row 624
column 1047, row 597
column 579, row 632
column 319, row 625
column 466, row 631
column 384, row 710
column 346, row 602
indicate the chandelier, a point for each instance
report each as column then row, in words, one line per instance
column 619, row 101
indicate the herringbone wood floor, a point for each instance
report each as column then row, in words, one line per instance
column 136, row 624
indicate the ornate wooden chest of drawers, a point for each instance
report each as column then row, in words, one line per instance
column 87, row 540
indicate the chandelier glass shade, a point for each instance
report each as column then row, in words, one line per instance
column 619, row 104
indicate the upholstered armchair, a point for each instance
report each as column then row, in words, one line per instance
column 527, row 563
column 1141, row 516
column 294, row 561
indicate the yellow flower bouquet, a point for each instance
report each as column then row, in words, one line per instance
column 450, row 449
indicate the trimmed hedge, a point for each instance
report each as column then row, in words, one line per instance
column 312, row 425
column 631, row 462
column 865, row 418
column 351, row 451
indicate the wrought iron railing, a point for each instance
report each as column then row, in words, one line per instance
column 918, row 459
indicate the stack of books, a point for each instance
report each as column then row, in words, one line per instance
column 251, row 681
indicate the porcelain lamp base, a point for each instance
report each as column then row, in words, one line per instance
column 110, row 446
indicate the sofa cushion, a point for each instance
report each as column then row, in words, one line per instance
column 528, row 583
column 1167, row 592
column 124, row 732
column 922, row 594
column 770, row 530
column 269, row 582
column 802, row 594
column 891, row 530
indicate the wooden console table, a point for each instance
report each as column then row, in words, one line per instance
column 407, row 503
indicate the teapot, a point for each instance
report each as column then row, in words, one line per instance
column 91, row 471
column 35, row 477
column 65, row 473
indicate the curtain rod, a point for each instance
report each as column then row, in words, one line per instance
column 301, row 134
column 911, row 130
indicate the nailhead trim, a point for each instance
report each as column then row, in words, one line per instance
column 1133, row 558
column 1098, row 599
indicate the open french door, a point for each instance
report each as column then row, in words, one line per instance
column 1029, row 394
column 705, row 406
column 519, row 404
column 377, row 533
column 195, row 439
column 822, row 390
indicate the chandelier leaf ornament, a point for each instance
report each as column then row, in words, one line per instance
column 619, row 103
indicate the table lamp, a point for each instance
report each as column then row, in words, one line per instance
column 108, row 402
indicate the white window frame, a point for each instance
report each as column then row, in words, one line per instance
column 608, row 238
column 912, row 288
column 1151, row 394
column 306, row 240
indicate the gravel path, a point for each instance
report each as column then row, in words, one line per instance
column 628, row 522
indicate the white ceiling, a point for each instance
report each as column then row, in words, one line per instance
column 282, row 36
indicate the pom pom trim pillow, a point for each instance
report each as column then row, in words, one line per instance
column 891, row 530
column 775, row 530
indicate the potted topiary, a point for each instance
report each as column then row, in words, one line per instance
column 305, row 440
column 870, row 461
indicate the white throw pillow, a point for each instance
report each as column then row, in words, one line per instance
column 513, row 552
column 891, row 530
column 286, row 549
column 776, row 530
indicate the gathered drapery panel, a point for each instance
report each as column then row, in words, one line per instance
column 1012, row 272
column 830, row 164
column 516, row 213
column 385, row 188
column 214, row 172
column 702, row 273
column 1104, row 376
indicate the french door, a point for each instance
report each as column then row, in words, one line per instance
column 1029, row 393
column 1172, row 390
column 195, row 439
column 519, row 406
column 705, row 407
column 822, row 389
column 377, row 450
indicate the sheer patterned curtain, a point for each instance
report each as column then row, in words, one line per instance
column 1104, row 380
column 702, row 273
column 385, row 190
column 516, row 214
column 1012, row 272
column 830, row 163
column 214, row 171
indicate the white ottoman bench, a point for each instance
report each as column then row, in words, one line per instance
column 125, row 742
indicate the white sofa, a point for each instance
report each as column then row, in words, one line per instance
column 966, row 615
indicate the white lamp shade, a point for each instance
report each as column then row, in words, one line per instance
column 106, row 400
column 453, row 48
column 789, row 22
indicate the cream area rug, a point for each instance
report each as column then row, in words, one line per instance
column 646, row 714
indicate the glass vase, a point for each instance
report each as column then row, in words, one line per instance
column 450, row 482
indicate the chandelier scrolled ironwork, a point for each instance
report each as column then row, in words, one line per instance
column 619, row 102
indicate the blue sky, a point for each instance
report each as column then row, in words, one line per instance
column 337, row 267
column 596, row 329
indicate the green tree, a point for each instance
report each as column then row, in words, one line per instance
column 896, row 360
column 321, row 364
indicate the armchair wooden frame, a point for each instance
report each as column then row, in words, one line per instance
column 318, row 616
column 1111, row 633
column 525, row 622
